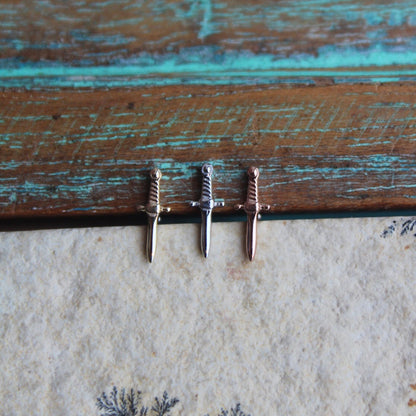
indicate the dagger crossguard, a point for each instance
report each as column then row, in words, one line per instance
column 252, row 208
column 252, row 204
column 206, row 204
column 153, row 209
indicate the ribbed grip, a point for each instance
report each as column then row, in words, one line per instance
column 252, row 193
column 206, row 188
column 154, row 192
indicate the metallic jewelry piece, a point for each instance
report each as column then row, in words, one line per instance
column 153, row 210
column 206, row 204
column 252, row 207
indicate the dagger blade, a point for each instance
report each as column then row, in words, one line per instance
column 206, row 216
column 151, row 236
column 251, row 235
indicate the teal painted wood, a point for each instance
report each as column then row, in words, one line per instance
column 129, row 43
column 319, row 149
column 92, row 77
column 117, row 87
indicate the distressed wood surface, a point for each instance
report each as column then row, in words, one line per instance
column 91, row 33
column 319, row 149
column 318, row 94
column 115, row 43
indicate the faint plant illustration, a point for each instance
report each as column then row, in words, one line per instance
column 408, row 226
column 234, row 411
column 164, row 406
column 404, row 227
column 130, row 404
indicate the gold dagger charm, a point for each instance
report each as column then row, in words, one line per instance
column 252, row 207
column 153, row 210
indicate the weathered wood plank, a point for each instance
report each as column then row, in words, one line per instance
column 319, row 148
column 123, row 77
column 100, row 32
column 55, row 43
column 292, row 87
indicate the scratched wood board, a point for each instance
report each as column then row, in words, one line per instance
column 318, row 148
column 169, row 35
column 318, row 95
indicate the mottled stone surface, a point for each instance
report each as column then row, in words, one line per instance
column 322, row 322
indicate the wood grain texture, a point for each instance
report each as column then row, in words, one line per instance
column 100, row 32
column 318, row 94
column 319, row 149
column 114, row 43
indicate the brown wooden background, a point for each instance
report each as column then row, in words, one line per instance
column 319, row 96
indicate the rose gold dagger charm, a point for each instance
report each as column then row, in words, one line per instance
column 153, row 210
column 252, row 209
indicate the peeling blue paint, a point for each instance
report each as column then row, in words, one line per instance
column 233, row 67
column 397, row 18
column 231, row 64
column 207, row 24
column 205, row 63
column 204, row 79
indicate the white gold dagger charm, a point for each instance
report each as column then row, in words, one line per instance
column 153, row 210
column 206, row 204
column 252, row 207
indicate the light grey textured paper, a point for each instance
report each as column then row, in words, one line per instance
column 322, row 322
